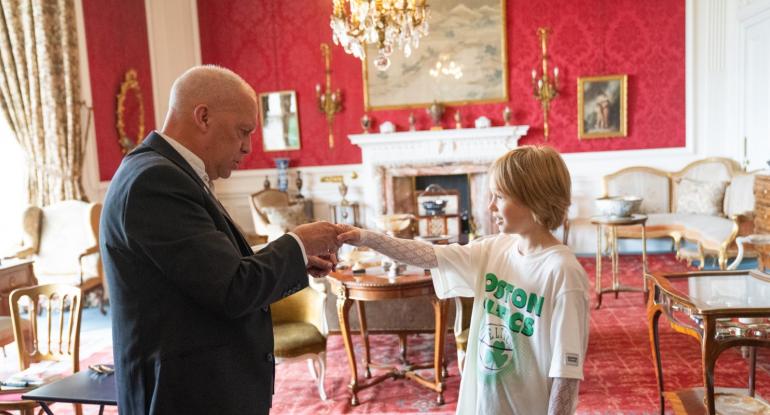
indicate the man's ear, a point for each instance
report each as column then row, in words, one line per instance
column 201, row 117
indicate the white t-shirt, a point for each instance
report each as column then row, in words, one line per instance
column 529, row 322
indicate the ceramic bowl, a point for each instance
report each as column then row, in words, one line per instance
column 618, row 206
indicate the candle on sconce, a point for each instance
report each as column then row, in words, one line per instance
column 534, row 74
column 556, row 72
column 318, row 89
column 540, row 83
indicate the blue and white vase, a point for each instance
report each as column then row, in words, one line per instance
column 282, row 164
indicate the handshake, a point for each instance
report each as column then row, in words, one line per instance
column 321, row 241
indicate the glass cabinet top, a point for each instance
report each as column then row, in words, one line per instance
column 725, row 291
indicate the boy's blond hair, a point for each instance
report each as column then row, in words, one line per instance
column 538, row 178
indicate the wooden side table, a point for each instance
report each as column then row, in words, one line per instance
column 14, row 274
column 720, row 309
column 612, row 223
column 376, row 286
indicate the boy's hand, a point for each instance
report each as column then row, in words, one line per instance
column 349, row 235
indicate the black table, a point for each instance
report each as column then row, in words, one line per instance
column 85, row 387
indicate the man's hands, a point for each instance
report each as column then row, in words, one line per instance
column 318, row 238
column 321, row 241
column 321, row 266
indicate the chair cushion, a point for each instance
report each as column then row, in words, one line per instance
column 295, row 339
column 710, row 230
column 286, row 217
column 700, row 197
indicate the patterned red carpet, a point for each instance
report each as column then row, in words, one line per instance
column 619, row 377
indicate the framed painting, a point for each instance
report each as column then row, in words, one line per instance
column 463, row 59
column 602, row 106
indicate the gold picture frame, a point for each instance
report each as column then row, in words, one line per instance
column 130, row 83
column 475, row 47
column 602, row 106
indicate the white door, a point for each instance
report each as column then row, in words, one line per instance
column 755, row 114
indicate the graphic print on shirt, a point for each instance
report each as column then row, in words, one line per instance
column 510, row 315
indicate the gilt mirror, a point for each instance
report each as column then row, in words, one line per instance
column 280, row 121
column 130, row 113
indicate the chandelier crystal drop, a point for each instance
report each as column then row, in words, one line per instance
column 387, row 23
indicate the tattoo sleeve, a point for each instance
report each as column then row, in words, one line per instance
column 409, row 251
column 564, row 396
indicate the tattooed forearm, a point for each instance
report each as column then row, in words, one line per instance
column 412, row 252
column 564, row 396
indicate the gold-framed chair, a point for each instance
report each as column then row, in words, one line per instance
column 63, row 240
column 54, row 346
column 300, row 330
column 274, row 214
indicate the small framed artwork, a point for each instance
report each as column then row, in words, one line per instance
column 602, row 106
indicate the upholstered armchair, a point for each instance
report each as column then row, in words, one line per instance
column 300, row 330
column 63, row 240
column 274, row 214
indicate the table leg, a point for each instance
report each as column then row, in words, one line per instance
column 365, row 337
column 402, row 347
column 343, row 306
column 615, row 259
column 598, row 285
column 440, row 310
column 644, row 257
column 653, row 315
column 45, row 408
column 101, row 409
column 752, row 369
column 708, row 356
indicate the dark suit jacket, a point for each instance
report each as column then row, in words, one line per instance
column 191, row 325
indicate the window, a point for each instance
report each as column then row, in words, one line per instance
column 13, row 171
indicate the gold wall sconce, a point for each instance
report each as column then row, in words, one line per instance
column 329, row 101
column 545, row 89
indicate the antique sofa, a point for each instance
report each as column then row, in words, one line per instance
column 709, row 202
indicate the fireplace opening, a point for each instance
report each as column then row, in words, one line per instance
column 459, row 183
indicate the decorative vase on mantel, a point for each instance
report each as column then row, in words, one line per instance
column 282, row 165
column 436, row 111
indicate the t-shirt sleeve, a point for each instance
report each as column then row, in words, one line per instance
column 456, row 275
column 569, row 328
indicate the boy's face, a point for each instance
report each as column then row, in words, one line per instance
column 510, row 215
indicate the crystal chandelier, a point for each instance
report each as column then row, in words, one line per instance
column 387, row 23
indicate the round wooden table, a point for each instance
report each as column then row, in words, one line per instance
column 376, row 286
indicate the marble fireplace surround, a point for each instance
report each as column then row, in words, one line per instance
column 391, row 161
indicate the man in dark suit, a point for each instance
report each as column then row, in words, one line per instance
column 192, row 332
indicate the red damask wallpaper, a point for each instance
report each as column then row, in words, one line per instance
column 275, row 45
column 116, row 35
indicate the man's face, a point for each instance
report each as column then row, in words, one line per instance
column 231, row 131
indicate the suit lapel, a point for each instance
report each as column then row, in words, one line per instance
column 155, row 142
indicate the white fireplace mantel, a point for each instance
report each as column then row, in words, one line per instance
column 437, row 146
column 425, row 148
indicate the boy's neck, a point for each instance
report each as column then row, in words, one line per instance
column 539, row 239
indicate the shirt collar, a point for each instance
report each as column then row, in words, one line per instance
column 191, row 158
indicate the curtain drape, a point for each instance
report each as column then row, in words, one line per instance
column 40, row 94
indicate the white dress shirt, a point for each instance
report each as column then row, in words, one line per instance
column 200, row 169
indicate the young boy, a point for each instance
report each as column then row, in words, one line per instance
column 529, row 326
